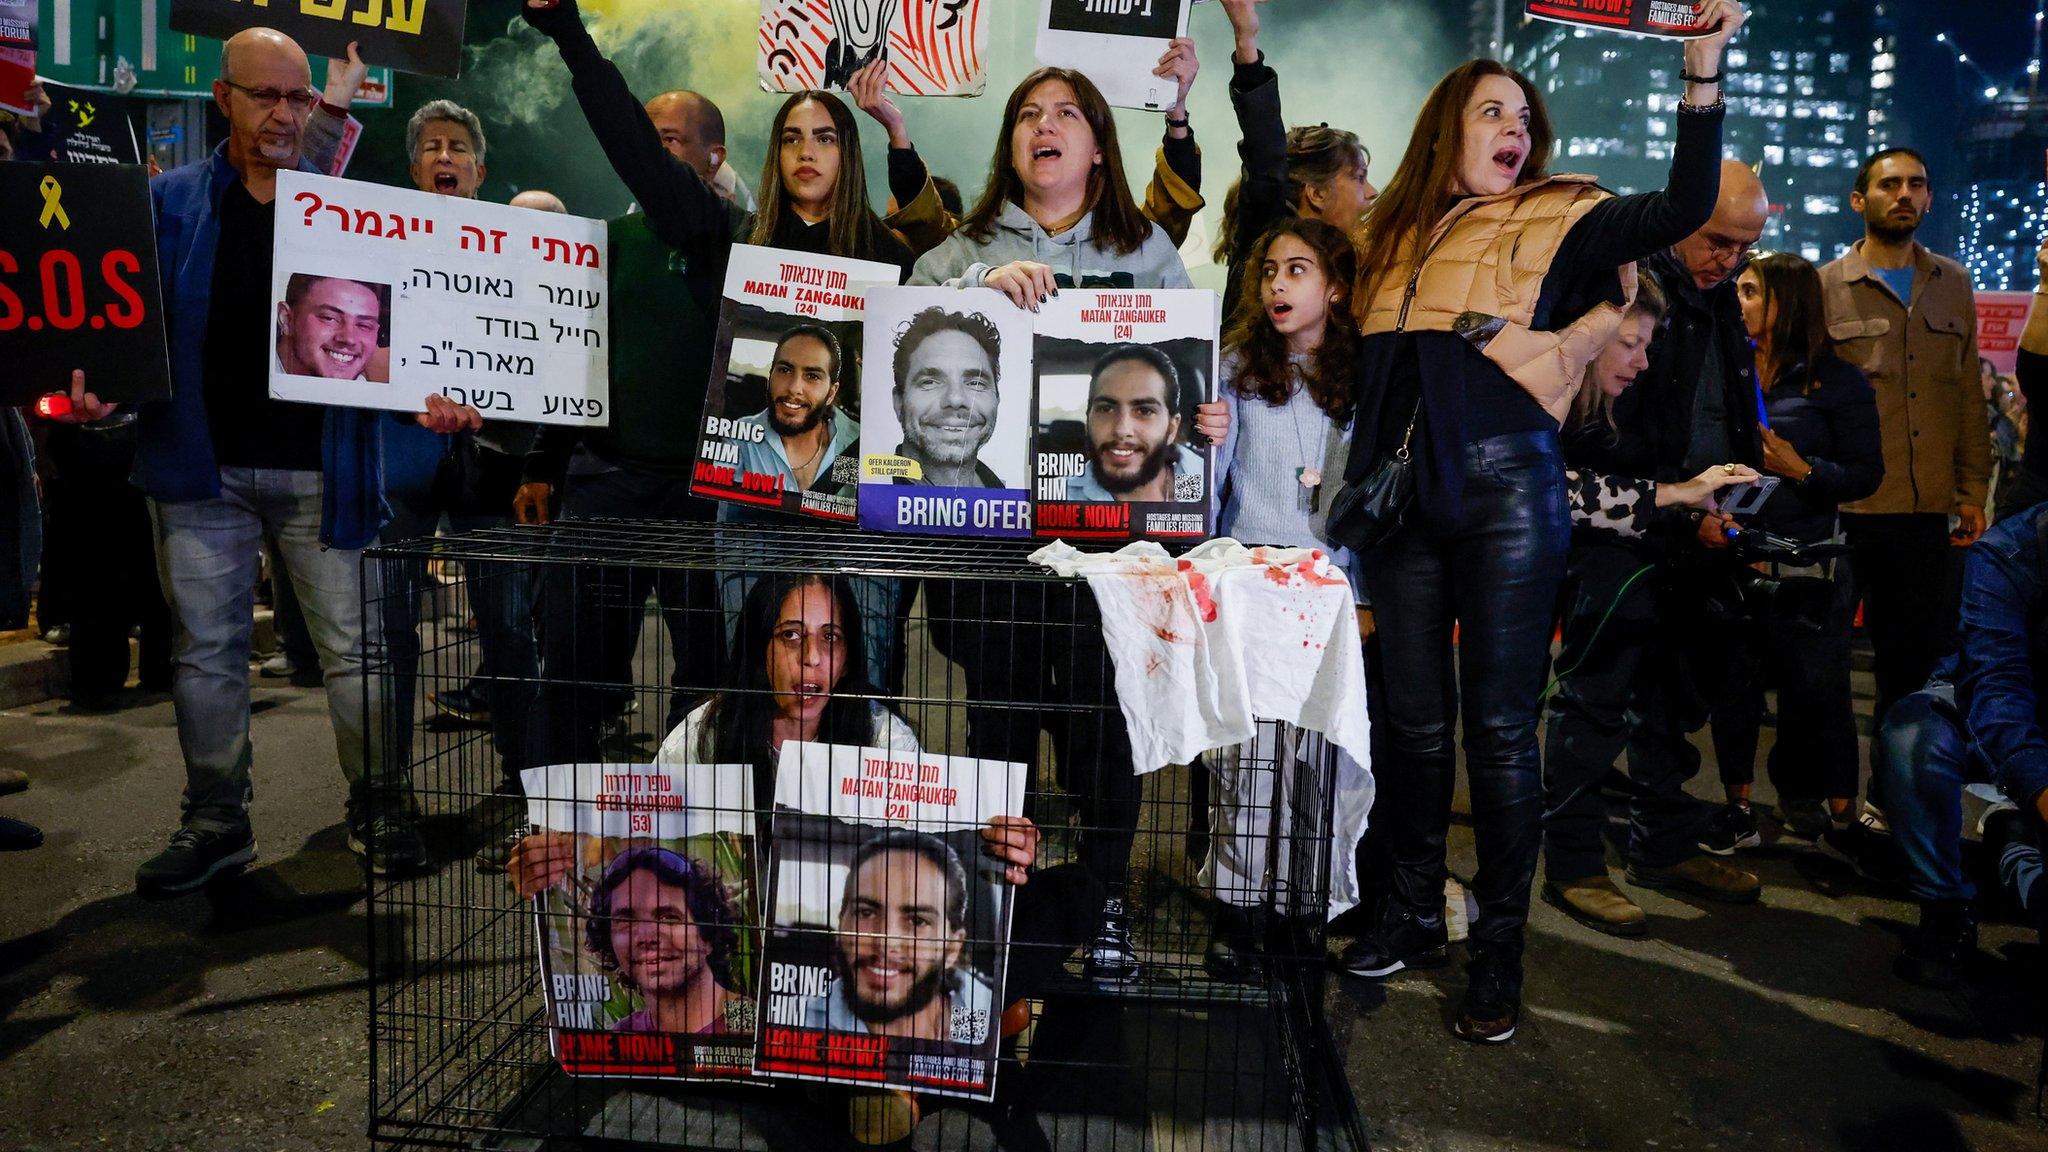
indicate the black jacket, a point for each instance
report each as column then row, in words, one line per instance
column 1833, row 425
column 1262, row 146
column 1655, row 415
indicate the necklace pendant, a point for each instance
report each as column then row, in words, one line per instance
column 1309, row 477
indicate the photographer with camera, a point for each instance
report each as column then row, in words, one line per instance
column 1820, row 439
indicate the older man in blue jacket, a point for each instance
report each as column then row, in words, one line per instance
column 224, row 466
column 1982, row 718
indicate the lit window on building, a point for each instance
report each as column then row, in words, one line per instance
column 1822, row 205
column 1781, row 60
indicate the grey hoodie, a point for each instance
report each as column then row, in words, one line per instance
column 962, row 262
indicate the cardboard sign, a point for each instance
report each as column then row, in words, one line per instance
column 1668, row 19
column 382, row 295
column 934, row 47
column 17, row 54
column 1115, row 43
column 78, row 283
column 856, row 991
column 2001, row 317
column 87, row 127
column 423, row 36
column 782, row 413
column 655, row 846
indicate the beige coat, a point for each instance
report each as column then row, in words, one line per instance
column 1922, row 360
column 1479, row 275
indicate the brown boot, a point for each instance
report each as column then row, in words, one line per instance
column 1595, row 902
column 1701, row 876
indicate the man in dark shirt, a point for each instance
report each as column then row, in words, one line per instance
column 226, row 466
column 1693, row 408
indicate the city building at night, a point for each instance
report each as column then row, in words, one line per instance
column 1999, row 206
column 1808, row 111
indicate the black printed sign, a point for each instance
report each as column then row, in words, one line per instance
column 423, row 36
column 87, row 127
column 1671, row 19
column 78, row 283
column 1158, row 18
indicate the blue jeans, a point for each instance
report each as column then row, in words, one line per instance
column 1495, row 575
column 1920, row 762
column 501, row 595
column 207, row 559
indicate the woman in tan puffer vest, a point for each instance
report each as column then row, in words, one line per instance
column 1485, row 287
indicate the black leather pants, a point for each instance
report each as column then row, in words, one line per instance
column 1495, row 576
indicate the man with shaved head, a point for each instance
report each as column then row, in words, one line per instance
column 226, row 467
column 1908, row 319
column 1693, row 408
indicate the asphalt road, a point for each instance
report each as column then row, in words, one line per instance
column 236, row 1019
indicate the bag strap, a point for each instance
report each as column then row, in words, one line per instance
column 1401, row 453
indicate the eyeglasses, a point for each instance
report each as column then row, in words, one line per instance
column 301, row 100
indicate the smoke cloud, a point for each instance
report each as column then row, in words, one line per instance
column 1362, row 66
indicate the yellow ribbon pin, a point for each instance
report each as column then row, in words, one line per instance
column 53, row 207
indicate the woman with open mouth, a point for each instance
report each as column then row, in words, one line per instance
column 1486, row 286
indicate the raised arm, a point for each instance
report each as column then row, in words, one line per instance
column 1627, row 228
column 681, row 208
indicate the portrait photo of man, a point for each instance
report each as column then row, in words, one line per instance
column 900, row 953
column 1134, row 421
column 805, row 430
column 334, row 328
column 663, row 925
column 946, row 389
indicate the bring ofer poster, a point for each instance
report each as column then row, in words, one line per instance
column 782, row 413
column 649, row 952
column 888, row 929
column 1075, row 423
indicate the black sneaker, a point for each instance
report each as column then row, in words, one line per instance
column 1110, row 956
column 391, row 843
column 1734, row 826
column 1870, row 855
column 1234, row 955
column 464, row 705
column 193, row 858
column 1493, row 997
column 1806, row 819
column 1400, row 940
column 1935, row 955
column 19, row 835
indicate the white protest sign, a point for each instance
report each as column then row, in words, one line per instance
column 381, row 296
column 1116, row 44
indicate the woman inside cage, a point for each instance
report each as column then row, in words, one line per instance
column 1485, row 288
column 799, row 675
column 1056, row 212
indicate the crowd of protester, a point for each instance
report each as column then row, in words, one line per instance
column 1577, row 379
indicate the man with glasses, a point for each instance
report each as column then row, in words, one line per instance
column 1694, row 407
column 226, row 466
column 1907, row 318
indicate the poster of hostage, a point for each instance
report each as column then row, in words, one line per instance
column 889, row 929
column 946, row 407
column 1115, row 454
column 383, row 295
column 648, row 948
column 782, row 413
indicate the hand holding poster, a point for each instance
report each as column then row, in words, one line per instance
column 423, row 36
column 1114, row 43
column 383, row 295
column 78, row 283
column 648, row 948
column 782, row 416
column 946, row 409
column 889, row 929
column 934, row 47
column 1669, row 19
column 1119, row 375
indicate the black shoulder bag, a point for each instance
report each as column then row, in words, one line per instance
column 1366, row 513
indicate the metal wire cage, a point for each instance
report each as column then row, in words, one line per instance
column 981, row 654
